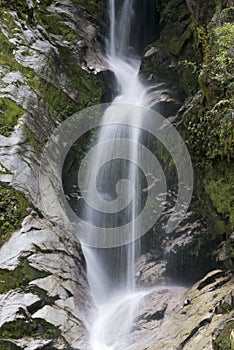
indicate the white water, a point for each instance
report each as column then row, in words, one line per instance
column 111, row 271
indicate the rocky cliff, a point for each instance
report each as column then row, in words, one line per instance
column 47, row 51
column 194, row 56
column 50, row 60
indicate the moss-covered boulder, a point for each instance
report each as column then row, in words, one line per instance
column 194, row 56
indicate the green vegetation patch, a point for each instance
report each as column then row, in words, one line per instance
column 211, row 133
column 94, row 7
column 19, row 6
column 56, row 24
column 176, row 44
column 220, row 188
column 86, row 84
column 172, row 11
column 222, row 342
column 19, row 277
column 223, row 52
column 10, row 112
column 30, row 328
column 13, row 208
column 7, row 345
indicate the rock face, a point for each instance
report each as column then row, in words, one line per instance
column 47, row 52
column 151, row 270
column 43, row 284
column 187, row 58
column 176, row 318
column 49, row 68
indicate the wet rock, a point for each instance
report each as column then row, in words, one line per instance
column 30, row 343
column 47, row 53
column 159, row 99
column 223, row 335
column 150, row 270
column 202, row 11
column 13, row 303
column 194, row 326
column 63, row 287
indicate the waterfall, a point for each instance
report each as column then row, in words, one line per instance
column 111, row 271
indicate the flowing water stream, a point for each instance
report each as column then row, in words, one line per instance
column 111, row 271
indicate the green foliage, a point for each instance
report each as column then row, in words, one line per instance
column 13, row 208
column 19, row 277
column 176, row 44
column 221, row 192
column 19, row 6
column 211, row 133
column 6, row 52
column 222, row 342
column 10, row 112
column 94, row 7
column 7, row 345
column 56, row 24
column 223, row 52
column 201, row 39
column 3, row 169
column 21, row 328
column 31, row 139
column 56, row 102
column 171, row 11
column 86, row 84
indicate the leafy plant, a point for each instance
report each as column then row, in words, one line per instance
column 13, row 208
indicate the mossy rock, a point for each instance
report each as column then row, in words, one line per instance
column 10, row 112
column 7, row 345
column 210, row 133
column 177, row 43
column 13, row 208
column 220, row 188
column 88, row 86
column 28, row 328
column 19, row 277
column 95, row 8
column 222, row 339
column 172, row 11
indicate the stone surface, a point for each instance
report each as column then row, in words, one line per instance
column 150, row 270
column 65, row 286
column 30, row 343
column 12, row 304
column 175, row 318
column 47, row 54
column 42, row 273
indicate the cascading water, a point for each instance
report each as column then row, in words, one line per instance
column 111, row 271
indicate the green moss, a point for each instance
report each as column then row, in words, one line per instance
column 223, row 52
column 210, row 132
column 3, row 169
column 56, row 24
column 10, row 112
column 26, row 328
column 60, row 105
column 224, row 308
column 222, row 342
column 227, row 15
column 31, row 139
column 221, row 192
column 94, row 7
column 177, row 43
column 88, row 86
column 6, row 47
column 19, row 6
column 218, row 65
column 13, row 208
column 7, row 345
column 19, row 277
column 172, row 11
